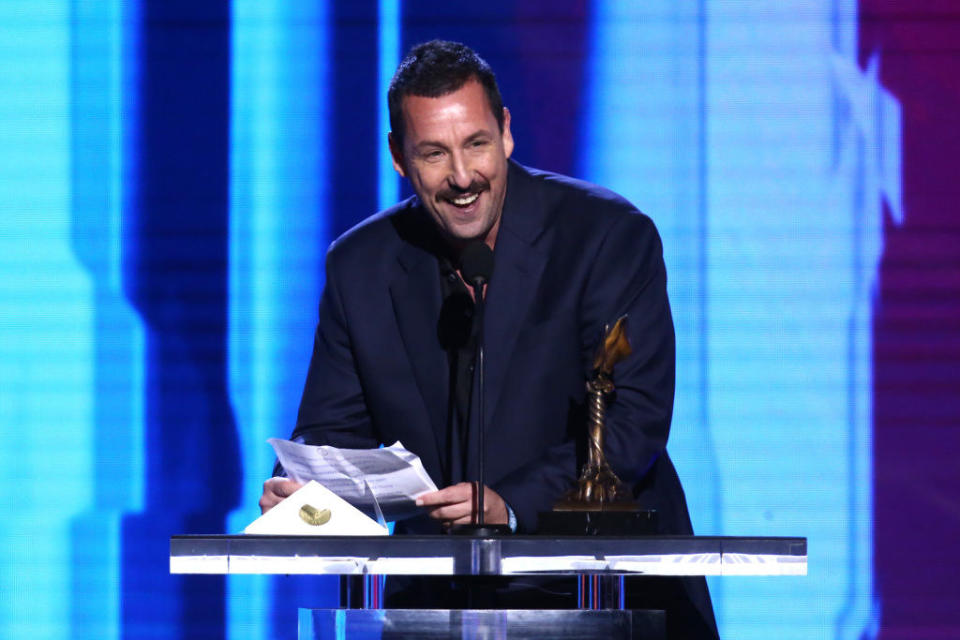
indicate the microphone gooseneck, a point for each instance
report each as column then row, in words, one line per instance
column 476, row 267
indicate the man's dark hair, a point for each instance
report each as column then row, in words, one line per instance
column 435, row 69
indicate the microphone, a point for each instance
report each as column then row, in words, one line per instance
column 476, row 267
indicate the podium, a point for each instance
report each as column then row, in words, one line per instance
column 600, row 563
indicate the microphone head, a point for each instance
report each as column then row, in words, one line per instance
column 476, row 263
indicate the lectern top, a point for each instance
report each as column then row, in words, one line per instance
column 509, row 555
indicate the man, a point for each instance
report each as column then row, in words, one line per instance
column 393, row 354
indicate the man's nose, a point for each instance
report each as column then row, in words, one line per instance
column 460, row 173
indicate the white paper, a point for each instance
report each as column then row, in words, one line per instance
column 393, row 475
column 345, row 520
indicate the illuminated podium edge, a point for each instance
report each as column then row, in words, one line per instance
column 517, row 555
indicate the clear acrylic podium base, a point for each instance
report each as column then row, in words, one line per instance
column 481, row 624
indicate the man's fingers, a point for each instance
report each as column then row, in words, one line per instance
column 452, row 505
column 275, row 490
column 286, row 488
column 461, row 492
column 452, row 512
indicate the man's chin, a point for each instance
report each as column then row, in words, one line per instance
column 462, row 235
column 470, row 233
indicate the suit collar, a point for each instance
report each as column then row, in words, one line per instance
column 524, row 213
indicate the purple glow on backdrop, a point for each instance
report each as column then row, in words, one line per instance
column 917, row 326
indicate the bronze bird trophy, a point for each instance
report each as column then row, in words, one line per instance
column 600, row 503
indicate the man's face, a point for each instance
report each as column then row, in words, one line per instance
column 455, row 157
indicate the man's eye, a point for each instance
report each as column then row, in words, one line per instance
column 478, row 143
column 433, row 155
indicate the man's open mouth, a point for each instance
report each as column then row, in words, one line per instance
column 464, row 200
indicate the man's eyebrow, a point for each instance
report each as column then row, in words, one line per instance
column 482, row 133
column 426, row 144
column 435, row 144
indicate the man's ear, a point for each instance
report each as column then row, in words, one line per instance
column 396, row 154
column 506, row 136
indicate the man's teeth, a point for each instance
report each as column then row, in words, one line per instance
column 463, row 201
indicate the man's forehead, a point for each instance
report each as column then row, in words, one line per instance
column 467, row 104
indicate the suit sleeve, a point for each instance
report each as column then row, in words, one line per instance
column 333, row 410
column 627, row 276
column 630, row 278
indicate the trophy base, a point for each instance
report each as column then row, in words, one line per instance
column 617, row 519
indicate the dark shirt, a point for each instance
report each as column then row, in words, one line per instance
column 457, row 336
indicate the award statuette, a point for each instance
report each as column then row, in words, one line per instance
column 600, row 503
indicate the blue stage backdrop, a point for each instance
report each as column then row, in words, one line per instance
column 171, row 173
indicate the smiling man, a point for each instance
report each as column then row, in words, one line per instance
column 394, row 352
column 454, row 151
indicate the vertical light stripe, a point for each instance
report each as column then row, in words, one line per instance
column 794, row 218
column 388, row 46
column 125, row 49
column 642, row 137
column 278, row 210
column 762, row 195
column 47, row 330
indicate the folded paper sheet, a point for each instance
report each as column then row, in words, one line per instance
column 315, row 510
column 391, row 476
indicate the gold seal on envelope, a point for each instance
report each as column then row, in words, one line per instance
column 313, row 516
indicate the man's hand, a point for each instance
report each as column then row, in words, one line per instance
column 275, row 490
column 456, row 505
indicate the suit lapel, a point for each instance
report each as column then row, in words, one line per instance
column 416, row 297
column 415, row 292
column 519, row 264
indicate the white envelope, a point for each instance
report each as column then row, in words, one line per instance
column 345, row 519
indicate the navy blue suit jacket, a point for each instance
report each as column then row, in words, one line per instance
column 570, row 258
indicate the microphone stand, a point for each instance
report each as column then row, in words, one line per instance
column 481, row 529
